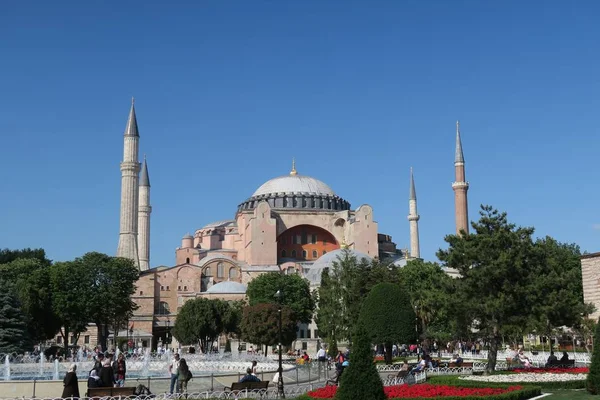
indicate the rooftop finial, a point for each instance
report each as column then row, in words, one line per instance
column 293, row 171
column 458, row 156
column 132, row 100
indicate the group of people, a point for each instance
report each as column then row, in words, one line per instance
column 180, row 375
column 105, row 373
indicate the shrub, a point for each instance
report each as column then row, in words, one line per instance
column 360, row 380
column 593, row 378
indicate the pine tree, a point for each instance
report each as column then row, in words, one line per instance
column 361, row 381
column 13, row 329
column 593, row 378
column 332, row 348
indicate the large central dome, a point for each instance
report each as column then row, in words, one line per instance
column 294, row 184
column 296, row 191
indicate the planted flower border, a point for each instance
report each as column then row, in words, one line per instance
column 454, row 391
column 546, row 378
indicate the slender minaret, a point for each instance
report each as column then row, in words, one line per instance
column 413, row 217
column 145, row 209
column 460, row 187
column 130, row 169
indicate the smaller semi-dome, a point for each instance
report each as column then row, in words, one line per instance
column 227, row 287
column 188, row 236
column 326, row 261
column 220, row 224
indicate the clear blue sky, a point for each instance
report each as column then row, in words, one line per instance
column 227, row 92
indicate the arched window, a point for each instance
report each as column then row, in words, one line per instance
column 315, row 254
column 283, row 253
column 304, row 254
column 324, row 252
column 293, row 253
column 232, row 273
column 187, row 260
column 220, row 270
column 163, row 308
column 291, row 270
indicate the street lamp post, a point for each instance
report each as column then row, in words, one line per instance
column 167, row 335
column 280, row 392
column 417, row 330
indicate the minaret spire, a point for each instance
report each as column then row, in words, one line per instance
column 460, row 187
column 144, row 211
column 413, row 218
column 458, row 156
column 293, row 171
column 130, row 169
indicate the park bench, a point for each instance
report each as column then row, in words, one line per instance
column 462, row 365
column 561, row 364
column 248, row 386
column 104, row 392
column 399, row 375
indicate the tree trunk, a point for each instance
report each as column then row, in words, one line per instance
column 492, row 355
column 388, row 353
column 66, row 343
column 266, row 349
column 103, row 336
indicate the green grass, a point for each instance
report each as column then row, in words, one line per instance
column 569, row 394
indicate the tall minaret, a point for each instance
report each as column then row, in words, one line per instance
column 130, row 169
column 413, row 217
column 460, row 187
column 145, row 209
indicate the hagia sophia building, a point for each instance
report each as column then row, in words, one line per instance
column 290, row 224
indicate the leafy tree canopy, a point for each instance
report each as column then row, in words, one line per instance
column 388, row 316
column 259, row 324
column 14, row 337
column 295, row 289
column 203, row 320
column 7, row 256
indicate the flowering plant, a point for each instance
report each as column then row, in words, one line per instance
column 424, row 390
column 581, row 370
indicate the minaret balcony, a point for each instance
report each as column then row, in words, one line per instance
column 460, row 185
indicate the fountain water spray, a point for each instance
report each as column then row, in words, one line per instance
column 42, row 360
column 146, row 365
column 6, row 368
column 55, row 377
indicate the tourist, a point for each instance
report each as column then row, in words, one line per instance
column 254, row 367
column 107, row 374
column 98, row 363
column 565, row 357
column 183, row 376
column 120, row 368
column 249, row 377
column 551, row 359
column 71, row 385
column 173, row 367
column 405, row 366
column 94, row 380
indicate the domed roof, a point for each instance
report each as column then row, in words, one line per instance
column 294, row 183
column 220, row 224
column 326, row 261
column 227, row 287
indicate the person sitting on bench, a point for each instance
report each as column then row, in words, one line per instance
column 551, row 359
column 565, row 357
column 249, row 377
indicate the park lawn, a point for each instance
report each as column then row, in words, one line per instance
column 577, row 394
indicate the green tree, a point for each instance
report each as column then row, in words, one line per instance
column 388, row 317
column 494, row 262
column 14, row 337
column 593, row 378
column 360, row 380
column 556, row 295
column 343, row 289
column 296, row 292
column 112, row 281
column 260, row 325
column 430, row 291
column 202, row 321
column 7, row 256
column 71, row 293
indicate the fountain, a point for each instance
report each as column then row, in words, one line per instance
column 42, row 359
column 6, row 368
column 146, row 365
column 80, row 355
column 55, row 377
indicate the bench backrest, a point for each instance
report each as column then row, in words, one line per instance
column 558, row 363
column 462, row 365
column 111, row 391
column 250, row 385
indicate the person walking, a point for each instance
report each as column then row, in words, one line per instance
column 71, row 385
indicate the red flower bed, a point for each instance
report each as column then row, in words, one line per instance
column 424, row 390
column 581, row 370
